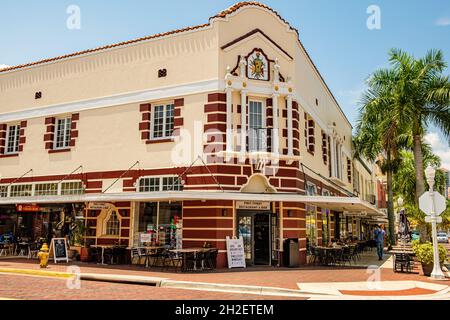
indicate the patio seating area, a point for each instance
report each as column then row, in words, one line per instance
column 184, row 260
column 339, row 255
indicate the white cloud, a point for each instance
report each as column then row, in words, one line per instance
column 443, row 22
column 352, row 96
column 439, row 148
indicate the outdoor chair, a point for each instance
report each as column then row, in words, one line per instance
column 157, row 257
column 135, row 254
column 189, row 261
column 33, row 250
column 119, row 255
column 346, row 255
column 172, row 260
column 403, row 262
column 108, row 255
column 211, row 259
column 96, row 254
column 314, row 254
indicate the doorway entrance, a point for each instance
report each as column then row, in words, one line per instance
column 256, row 230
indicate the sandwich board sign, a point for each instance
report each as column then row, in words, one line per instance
column 235, row 253
column 58, row 250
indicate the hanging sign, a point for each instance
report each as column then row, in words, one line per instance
column 99, row 205
column 253, row 205
column 27, row 208
column 146, row 237
column 58, row 250
column 235, row 253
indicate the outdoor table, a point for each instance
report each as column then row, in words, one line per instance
column 327, row 250
column 103, row 247
column 148, row 249
column 190, row 250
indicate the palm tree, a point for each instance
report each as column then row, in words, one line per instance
column 379, row 134
column 420, row 96
column 405, row 184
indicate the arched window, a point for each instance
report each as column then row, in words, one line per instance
column 113, row 224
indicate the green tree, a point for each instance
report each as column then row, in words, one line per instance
column 405, row 185
column 420, row 95
column 379, row 134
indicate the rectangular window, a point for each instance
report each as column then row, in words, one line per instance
column 62, row 133
column 72, row 188
column 21, row 190
column 163, row 222
column 155, row 184
column 163, row 121
column 13, row 135
column 149, row 185
column 256, row 122
column 46, row 189
column 3, row 191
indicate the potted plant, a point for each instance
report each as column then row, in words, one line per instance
column 79, row 241
column 424, row 254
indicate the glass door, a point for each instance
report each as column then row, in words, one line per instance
column 262, row 239
column 245, row 230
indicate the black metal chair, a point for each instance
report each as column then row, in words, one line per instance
column 189, row 261
column 402, row 262
column 108, row 255
column 211, row 259
column 119, row 255
column 96, row 254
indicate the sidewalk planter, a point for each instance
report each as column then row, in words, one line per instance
column 84, row 254
column 424, row 254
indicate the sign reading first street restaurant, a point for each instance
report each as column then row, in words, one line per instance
column 253, row 205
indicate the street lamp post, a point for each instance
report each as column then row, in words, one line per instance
column 400, row 231
column 437, row 273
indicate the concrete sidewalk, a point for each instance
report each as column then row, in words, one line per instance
column 303, row 282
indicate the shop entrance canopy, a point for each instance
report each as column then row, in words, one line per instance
column 341, row 204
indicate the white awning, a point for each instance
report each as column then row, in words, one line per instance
column 344, row 204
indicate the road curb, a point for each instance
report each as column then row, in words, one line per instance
column 41, row 273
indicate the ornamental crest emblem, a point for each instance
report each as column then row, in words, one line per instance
column 258, row 66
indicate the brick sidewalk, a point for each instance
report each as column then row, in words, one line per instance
column 270, row 277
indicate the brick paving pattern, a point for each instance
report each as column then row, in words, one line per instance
column 34, row 288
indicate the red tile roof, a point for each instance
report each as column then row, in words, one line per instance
column 222, row 14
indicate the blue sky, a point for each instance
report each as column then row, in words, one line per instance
column 333, row 31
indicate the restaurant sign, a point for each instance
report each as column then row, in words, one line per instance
column 99, row 205
column 27, row 208
column 235, row 253
column 253, row 205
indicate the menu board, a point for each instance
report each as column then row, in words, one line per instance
column 59, row 251
column 235, row 253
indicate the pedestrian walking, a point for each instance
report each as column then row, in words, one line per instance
column 380, row 234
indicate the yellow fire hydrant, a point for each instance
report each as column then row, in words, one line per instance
column 43, row 256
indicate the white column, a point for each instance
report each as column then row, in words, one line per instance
column 276, row 129
column 333, row 154
column 230, row 142
column 243, row 121
column 290, row 126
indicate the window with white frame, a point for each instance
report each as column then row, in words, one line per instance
column 62, row 133
column 256, row 126
column 46, row 189
column 163, row 121
column 112, row 224
column 3, row 191
column 12, row 139
column 21, row 190
column 72, row 188
column 42, row 189
column 155, row 184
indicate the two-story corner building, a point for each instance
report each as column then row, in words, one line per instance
column 225, row 129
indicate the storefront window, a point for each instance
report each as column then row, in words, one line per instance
column 163, row 221
column 343, row 227
column 311, row 219
column 113, row 224
column 21, row 190
column 155, row 184
column 71, row 188
column 46, row 189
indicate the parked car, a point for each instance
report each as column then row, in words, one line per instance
column 442, row 237
column 415, row 235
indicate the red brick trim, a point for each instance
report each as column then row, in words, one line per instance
column 178, row 119
column 59, row 151
column 159, row 141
